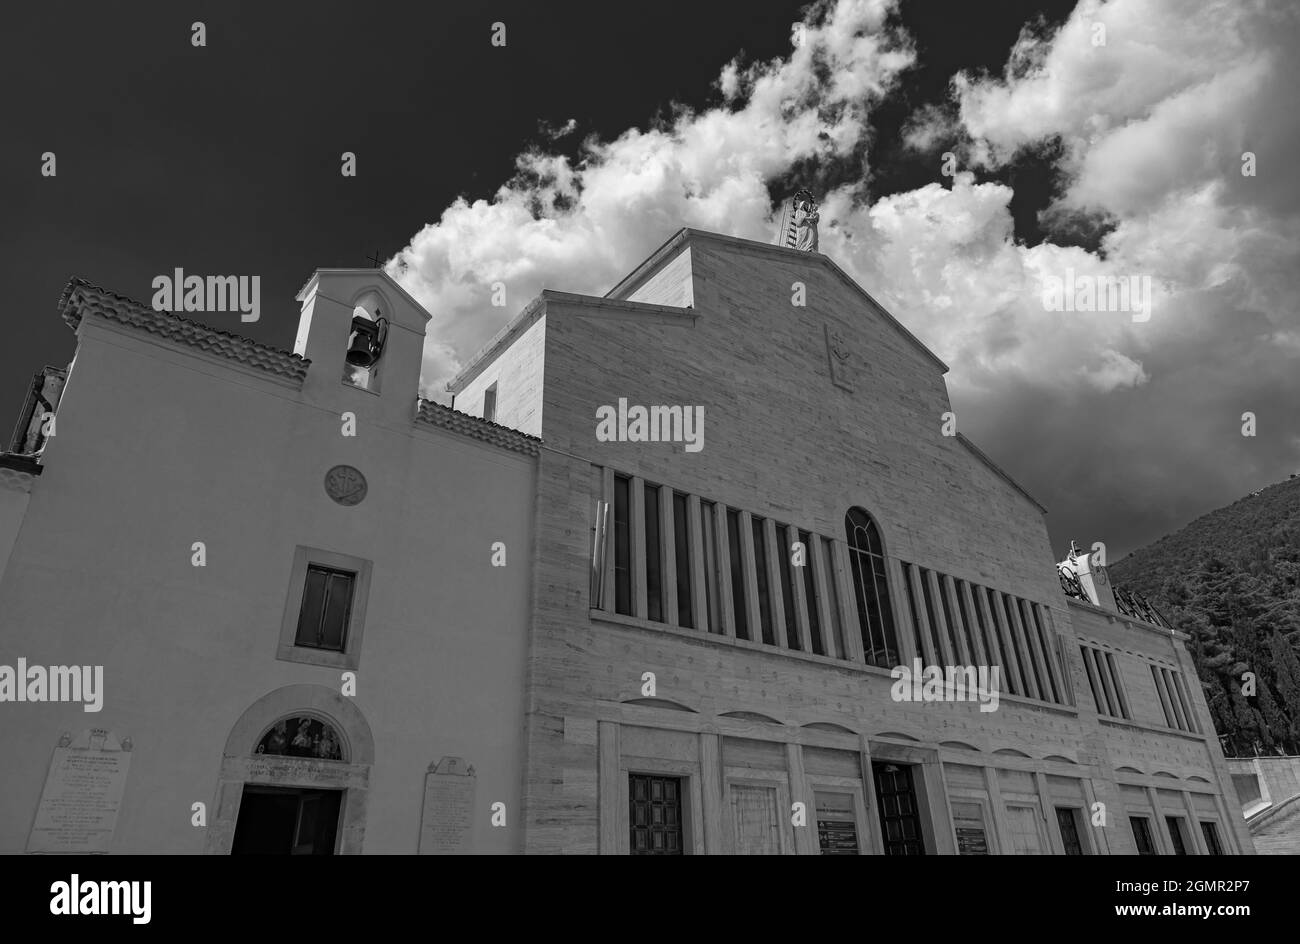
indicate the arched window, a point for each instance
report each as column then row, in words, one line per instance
column 875, row 616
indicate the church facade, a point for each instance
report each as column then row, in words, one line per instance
column 700, row 566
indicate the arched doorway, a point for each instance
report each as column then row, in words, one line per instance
column 295, row 776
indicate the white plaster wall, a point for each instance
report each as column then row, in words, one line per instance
column 13, row 507
column 157, row 449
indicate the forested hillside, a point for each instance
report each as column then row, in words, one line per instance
column 1231, row 579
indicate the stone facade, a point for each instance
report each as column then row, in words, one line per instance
column 713, row 325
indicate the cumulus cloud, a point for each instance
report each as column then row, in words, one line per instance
column 928, row 128
column 1154, row 128
column 1092, row 410
column 1115, row 370
column 581, row 224
column 554, row 132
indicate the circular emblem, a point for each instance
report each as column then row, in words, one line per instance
column 345, row 485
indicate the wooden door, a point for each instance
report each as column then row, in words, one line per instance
column 655, row 814
column 900, row 818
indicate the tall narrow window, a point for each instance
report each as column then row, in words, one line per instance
column 835, row 642
column 1107, row 683
column 682, row 549
column 1062, row 647
column 936, row 636
column 1026, row 665
column 1185, row 698
column 490, row 403
column 1120, row 701
column 712, row 564
column 622, row 545
column 973, row 643
column 1036, row 662
column 1163, row 695
column 738, row 605
column 599, row 553
column 787, row 586
column 1103, row 677
column 764, row 591
column 953, row 629
column 1014, row 684
column 875, row 615
column 326, row 607
column 909, row 591
column 988, row 634
column 654, row 575
column 810, row 594
column 1034, row 624
column 1094, row 681
column 1176, row 697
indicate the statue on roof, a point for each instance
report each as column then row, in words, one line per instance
column 798, row 226
column 805, row 221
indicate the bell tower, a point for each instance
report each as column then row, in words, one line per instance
column 364, row 334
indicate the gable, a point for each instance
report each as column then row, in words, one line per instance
column 680, row 272
column 669, row 276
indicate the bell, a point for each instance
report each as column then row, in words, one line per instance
column 360, row 351
column 367, row 342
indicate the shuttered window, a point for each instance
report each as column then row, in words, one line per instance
column 326, row 608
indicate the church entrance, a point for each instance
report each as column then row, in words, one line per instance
column 900, row 819
column 286, row 821
column 295, row 777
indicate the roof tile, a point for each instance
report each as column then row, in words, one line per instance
column 81, row 297
column 444, row 417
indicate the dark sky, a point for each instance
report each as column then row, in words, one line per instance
column 225, row 159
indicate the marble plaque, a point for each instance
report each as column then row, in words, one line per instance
column 447, row 820
column 83, row 791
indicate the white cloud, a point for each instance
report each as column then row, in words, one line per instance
column 1115, row 370
column 580, row 225
column 1152, row 126
column 927, row 128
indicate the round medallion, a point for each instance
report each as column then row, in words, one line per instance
column 345, row 485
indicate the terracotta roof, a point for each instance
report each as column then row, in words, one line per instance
column 444, row 417
column 81, row 297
